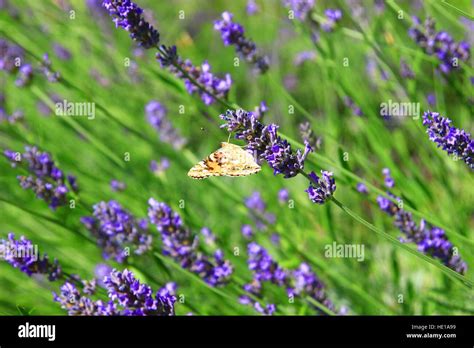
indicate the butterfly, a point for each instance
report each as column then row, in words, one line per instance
column 229, row 160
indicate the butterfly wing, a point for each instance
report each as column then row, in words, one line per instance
column 229, row 160
column 237, row 162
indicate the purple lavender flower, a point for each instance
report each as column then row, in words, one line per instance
column 15, row 117
column 431, row 99
column 300, row 8
column 117, row 230
column 264, row 142
column 268, row 309
column 362, row 188
column 10, row 56
column 260, row 110
column 159, row 167
column 308, row 135
column 356, row 110
column 136, row 298
column 100, row 271
column 46, row 180
column 25, row 75
column 332, row 17
column 247, row 231
column 71, row 299
column 307, row 283
column 440, row 44
column 22, row 254
column 233, row 34
column 275, row 239
column 257, row 210
column 129, row 16
column 156, row 114
column 127, row 297
column 299, row 283
column 321, row 188
column 283, row 195
column 48, row 72
column 211, row 86
column 252, row 7
column 388, row 180
column 264, row 268
column 61, row 52
column 180, row 244
column 405, row 70
column 454, row 141
column 431, row 240
column 304, row 56
column 209, row 237
column 117, row 186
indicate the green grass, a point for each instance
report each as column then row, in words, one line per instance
column 431, row 184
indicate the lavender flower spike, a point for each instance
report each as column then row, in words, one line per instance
column 129, row 16
column 46, row 180
column 211, row 86
column 321, row 188
column 300, row 8
column 180, row 244
column 264, row 142
column 22, row 254
column 156, row 115
column 430, row 240
column 137, row 298
column 264, row 268
column 454, row 141
column 117, row 230
column 439, row 44
column 233, row 34
column 307, row 283
column 127, row 297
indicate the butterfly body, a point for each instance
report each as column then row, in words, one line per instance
column 229, row 160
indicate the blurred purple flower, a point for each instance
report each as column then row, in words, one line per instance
column 159, row 167
column 283, row 195
column 61, row 52
column 362, row 188
column 11, row 56
column 304, row 56
column 180, row 244
column 156, row 115
column 211, row 86
column 247, row 231
column 22, row 254
column 308, row 135
column 116, row 230
column 117, row 186
column 233, row 35
column 332, row 17
column 440, row 44
column 300, row 8
column 431, row 241
column 252, row 7
column 46, row 180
